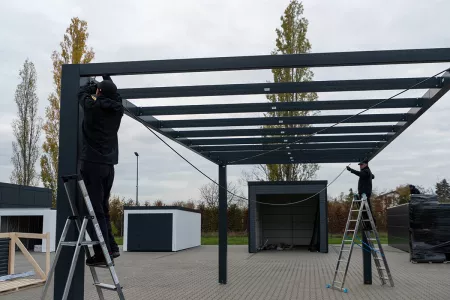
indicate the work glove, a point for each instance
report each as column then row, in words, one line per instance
column 348, row 168
column 92, row 87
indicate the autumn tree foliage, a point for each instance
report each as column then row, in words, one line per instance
column 73, row 50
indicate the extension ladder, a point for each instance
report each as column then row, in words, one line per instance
column 365, row 219
column 81, row 242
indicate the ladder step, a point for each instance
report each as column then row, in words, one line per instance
column 73, row 244
column 355, row 209
column 351, row 230
column 106, row 286
column 343, row 260
column 382, row 268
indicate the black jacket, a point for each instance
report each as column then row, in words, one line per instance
column 101, row 123
column 365, row 180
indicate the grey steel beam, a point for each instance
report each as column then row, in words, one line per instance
column 133, row 112
column 223, row 224
column 286, row 160
column 317, row 146
column 433, row 95
column 357, row 58
column 280, row 106
column 288, row 131
column 285, row 140
column 325, row 119
column 295, row 154
column 69, row 136
column 300, row 154
column 280, row 88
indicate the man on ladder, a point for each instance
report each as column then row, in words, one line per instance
column 364, row 185
column 360, row 213
column 100, row 152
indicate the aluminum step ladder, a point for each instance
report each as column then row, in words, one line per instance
column 360, row 216
column 81, row 242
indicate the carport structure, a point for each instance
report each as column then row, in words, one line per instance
column 367, row 137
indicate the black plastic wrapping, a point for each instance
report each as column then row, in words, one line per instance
column 429, row 223
column 4, row 256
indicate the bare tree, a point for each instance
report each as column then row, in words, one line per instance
column 209, row 194
column 26, row 128
column 298, row 172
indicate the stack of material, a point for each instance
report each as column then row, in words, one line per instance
column 430, row 229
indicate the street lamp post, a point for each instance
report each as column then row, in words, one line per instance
column 137, row 176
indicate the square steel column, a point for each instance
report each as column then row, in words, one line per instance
column 67, row 165
column 367, row 261
column 223, row 224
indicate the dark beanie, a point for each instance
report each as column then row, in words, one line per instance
column 108, row 88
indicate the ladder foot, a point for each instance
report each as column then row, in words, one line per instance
column 328, row 286
column 345, row 291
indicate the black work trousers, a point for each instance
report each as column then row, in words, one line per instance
column 99, row 179
column 365, row 216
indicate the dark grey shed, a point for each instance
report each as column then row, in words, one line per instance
column 300, row 224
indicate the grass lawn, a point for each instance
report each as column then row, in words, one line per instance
column 232, row 240
column 213, row 239
column 119, row 240
column 337, row 238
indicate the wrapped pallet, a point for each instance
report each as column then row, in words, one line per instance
column 429, row 229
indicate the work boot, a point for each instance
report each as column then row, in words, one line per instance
column 98, row 261
column 115, row 252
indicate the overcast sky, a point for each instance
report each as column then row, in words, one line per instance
column 146, row 30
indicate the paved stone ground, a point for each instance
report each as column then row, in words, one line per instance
column 192, row 274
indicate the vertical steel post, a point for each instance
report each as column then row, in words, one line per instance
column 70, row 115
column 223, row 224
column 367, row 260
column 137, row 177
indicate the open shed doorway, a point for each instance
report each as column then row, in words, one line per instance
column 288, row 227
column 288, row 215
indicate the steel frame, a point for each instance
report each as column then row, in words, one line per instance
column 225, row 146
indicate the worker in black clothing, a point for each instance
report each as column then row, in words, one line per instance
column 364, row 184
column 102, row 117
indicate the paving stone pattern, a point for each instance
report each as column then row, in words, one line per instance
column 193, row 274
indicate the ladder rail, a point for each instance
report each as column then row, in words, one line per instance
column 74, row 259
column 101, row 239
column 81, row 243
column 86, row 249
column 383, row 257
column 342, row 244
column 351, row 249
column 364, row 215
column 355, row 230
column 58, row 252
column 375, row 256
